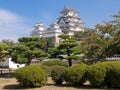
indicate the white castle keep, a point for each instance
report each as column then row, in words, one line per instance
column 68, row 23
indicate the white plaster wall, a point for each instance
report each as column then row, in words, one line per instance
column 10, row 64
column 14, row 65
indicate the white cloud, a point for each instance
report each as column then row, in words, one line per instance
column 12, row 26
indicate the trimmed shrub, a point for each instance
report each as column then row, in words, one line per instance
column 55, row 63
column 113, row 75
column 76, row 74
column 104, row 74
column 96, row 74
column 57, row 74
column 47, row 69
column 30, row 76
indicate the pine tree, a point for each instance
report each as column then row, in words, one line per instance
column 69, row 47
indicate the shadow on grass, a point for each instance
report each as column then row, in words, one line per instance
column 86, row 87
column 17, row 86
column 13, row 86
column 81, row 87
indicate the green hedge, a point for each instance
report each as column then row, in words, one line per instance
column 76, row 74
column 47, row 70
column 105, row 74
column 96, row 74
column 30, row 76
column 55, row 63
column 113, row 75
column 57, row 74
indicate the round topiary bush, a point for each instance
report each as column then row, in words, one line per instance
column 96, row 74
column 57, row 74
column 76, row 74
column 47, row 70
column 55, row 63
column 104, row 74
column 30, row 76
column 113, row 76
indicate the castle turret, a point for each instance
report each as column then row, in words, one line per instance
column 53, row 32
column 39, row 30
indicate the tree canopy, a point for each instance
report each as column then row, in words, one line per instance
column 68, row 46
column 3, row 51
column 103, row 41
column 29, row 48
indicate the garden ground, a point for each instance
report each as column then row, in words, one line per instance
column 11, row 83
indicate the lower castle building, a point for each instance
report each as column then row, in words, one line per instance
column 68, row 23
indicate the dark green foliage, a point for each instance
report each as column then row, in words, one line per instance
column 30, row 76
column 28, row 49
column 3, row 51
column 50, row 42
column 47, row 69
column 76, row 74
column 113, row 76
column 55, row 63
column 68, row 46
column 96, row 74
column 105, row 74
column 55, row 53
column 57, row 74
column 44, row 43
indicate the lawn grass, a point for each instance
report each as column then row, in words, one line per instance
column 11, row 83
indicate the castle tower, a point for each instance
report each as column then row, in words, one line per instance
column 39, row 30
column 53, row 32
column 70, row 22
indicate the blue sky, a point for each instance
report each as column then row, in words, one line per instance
column 17, row 17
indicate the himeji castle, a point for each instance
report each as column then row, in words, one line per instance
column 68, row 23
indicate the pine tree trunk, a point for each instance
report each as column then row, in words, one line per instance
column 70, row 62
column 68, row 54
column 28, row 62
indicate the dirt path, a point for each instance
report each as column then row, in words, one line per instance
column 7, row 83
column 11, row 83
